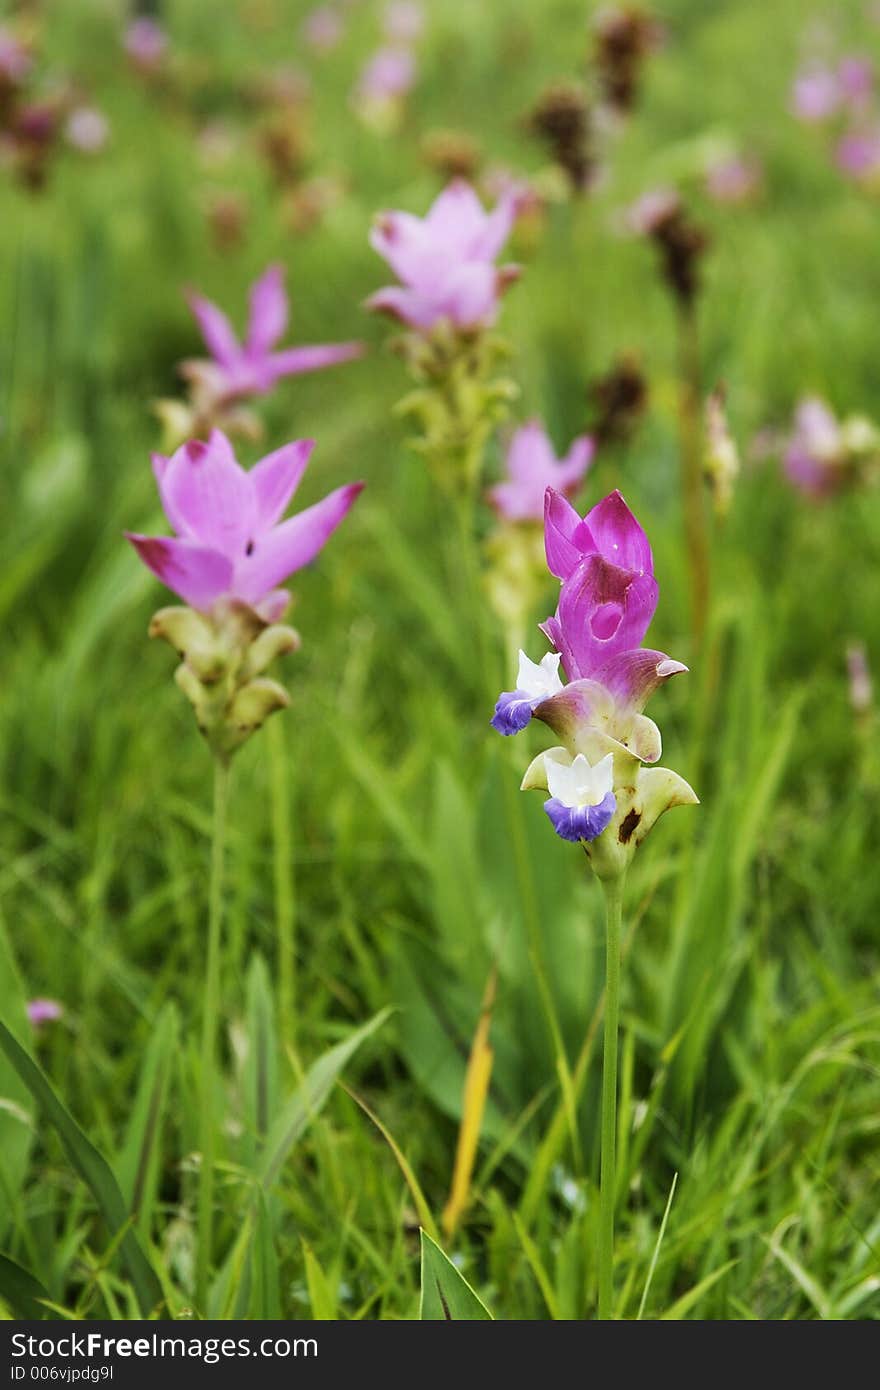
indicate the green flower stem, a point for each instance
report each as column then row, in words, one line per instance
column 691, row 450
column 208, row 1068
column 283, row 875
column 608, row 1178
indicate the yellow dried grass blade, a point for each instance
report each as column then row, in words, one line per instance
column 476, row 1090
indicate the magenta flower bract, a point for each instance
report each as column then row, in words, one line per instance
column 446, row 260
column 532, row 467
column 40, row 1011
column 230, row 541
column 606, row 604
column 252, row 368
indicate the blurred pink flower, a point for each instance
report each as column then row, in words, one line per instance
column 251, row 367
column 857, row 153
column 815, row 94
column 734, row 180
column 41, row 1011
column 388, row 75
column 323, row 29
column 861, row 688
column 532, row 466
column 855, row 76
column 15, row 58
column 445, row 260
column 230, row 540
column 649, row 211
column 87, row 130
column 146, row 43
column 814, row 450
column 403, row 21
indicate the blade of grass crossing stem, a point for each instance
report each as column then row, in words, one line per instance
column 322, row 1299
column 660, row 1234
column 690, row 1299
column 476, row 1089
column 446, row 1294
column 309, row 1097
column 423, row 1211
column 92, row 1167
column 138, row 1163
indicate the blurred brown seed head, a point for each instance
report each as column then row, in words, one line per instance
column 227, row 219
column 624, row 37
column 452, row 153
column 620, row 398
column 562, row 119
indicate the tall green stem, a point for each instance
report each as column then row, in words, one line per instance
column 283, row 875
column 691, row 449
column 210, row 1011
column 608, row 1179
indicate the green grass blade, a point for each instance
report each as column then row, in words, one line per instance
column 21, row 1290
column 446, row 1295
column 138, row 1164
column 92, row 1167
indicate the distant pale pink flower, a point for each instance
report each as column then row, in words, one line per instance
column 87, row 130
column 647, row 213
column 146, row 43
column 15, row 58
column 388, row 76
column 733, row 180
column 855, row 77
column 857, row 153
column 323, row 29
column 445, row 260
column 815, row 94
column 42, row 1011
column 230, row 541
column 861, row 689
column 403, row 21
column 251, row 367
column 532, row 467
column 815, row 449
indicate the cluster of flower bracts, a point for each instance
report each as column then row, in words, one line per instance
column 605, row 790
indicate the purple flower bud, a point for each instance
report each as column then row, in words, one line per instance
column 230, row 541
column 446, row 260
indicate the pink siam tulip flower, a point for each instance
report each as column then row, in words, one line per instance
column 15, row 59
column 858, row 153
column 855, row 79
column 816, row 94
column 403, row 21
column 532, row 467
column 388, row 76
column 606, row 604
column 42, row 1011
column 733, row 180
column 252, row 368
column 323, row 29
column 446, row 260
column 146, row 43
column 230, row 541
column 87, row 130
column 815, row 450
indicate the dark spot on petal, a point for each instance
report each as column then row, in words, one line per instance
column 627, row 826
column 249, row 548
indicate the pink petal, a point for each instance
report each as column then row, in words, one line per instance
column 530, row 453
column 618, row 535
column 497, row 227
column 469, row 294
column 216, row 330
column 458, row 220
column 566, row 537
column 207, row 497
column 275, row 479
column 268, row 312
column 631, row 677
column 291, row 545
column 408, row 306
column 198, row 575
column 294, row 361
column 408, row 246
column 574, row 466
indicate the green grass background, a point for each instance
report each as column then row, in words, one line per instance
column 751, row 1014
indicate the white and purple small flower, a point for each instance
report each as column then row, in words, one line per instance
column 535, row 682
column 582, row 802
